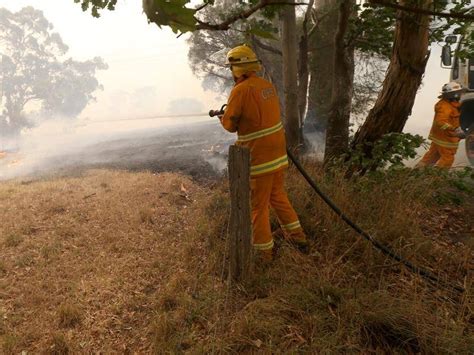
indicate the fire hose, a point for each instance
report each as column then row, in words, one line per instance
column 426, row 274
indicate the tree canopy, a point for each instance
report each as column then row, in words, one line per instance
column 36, row 71
column 372, row 27
column 369, row 28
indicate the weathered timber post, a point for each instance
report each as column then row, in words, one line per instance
column 240, row 238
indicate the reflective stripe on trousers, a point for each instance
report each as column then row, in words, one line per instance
column 291, row 226
column 264, row 246
column 442, row 143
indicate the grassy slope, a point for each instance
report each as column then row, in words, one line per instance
column 82, row 260
column 115, row 261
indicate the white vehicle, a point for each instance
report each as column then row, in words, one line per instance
column 462, row 72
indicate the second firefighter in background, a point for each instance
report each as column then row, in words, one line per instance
column 253, row 111
column 445, row 132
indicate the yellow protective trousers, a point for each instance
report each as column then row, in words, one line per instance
column 442, row 157
column 269, row 190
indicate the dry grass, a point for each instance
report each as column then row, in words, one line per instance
column 115, row 262
column 3, row 268
column 59, row 345
column 344, row 296
column 90, row 255
column 69, row 315
column 13, row 240
column 9, row 343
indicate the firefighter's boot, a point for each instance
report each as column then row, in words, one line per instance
column 299, row 241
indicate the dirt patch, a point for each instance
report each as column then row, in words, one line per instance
column 83, row 261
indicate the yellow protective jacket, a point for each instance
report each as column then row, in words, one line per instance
column 446, row 120
column 253, row 111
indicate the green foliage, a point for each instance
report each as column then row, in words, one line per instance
column 441, row 27
column 372, row 30
column 466, row 40
column 95, row 5
column 452, row 184
column 181, row 17
column 260, row 32
column 171, row 13
column 391, row 150
column 174, row 14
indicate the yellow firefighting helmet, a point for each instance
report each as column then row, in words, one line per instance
column 241, row 55
column 242, row 61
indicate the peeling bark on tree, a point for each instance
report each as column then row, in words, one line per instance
column 407, row 66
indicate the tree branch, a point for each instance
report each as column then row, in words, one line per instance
column 416, row 10
column 220, row 76
column 199, row 8
column 311, row 31
column 266, row 46
column 225, row 25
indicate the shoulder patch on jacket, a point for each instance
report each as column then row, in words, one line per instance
column 268, row 93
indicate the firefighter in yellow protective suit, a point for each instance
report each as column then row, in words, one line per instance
column 446, row 132
column 253, row 112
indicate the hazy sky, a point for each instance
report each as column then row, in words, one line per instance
column 143, row 58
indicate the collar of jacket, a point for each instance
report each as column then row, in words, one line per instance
column 455, row 104
column 245, row 77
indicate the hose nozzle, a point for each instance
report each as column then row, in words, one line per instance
column 220, row 112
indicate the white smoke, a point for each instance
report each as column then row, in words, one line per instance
column 315, row 142
column 59, row 144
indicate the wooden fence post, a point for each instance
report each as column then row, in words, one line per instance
column 240, row 238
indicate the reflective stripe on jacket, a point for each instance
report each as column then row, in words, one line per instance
column 253, row 111
column 446, row 120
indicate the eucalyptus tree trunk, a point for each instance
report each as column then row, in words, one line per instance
column 405, row 72
column 290, row 75
column 303, row 63
column 337, row 135
column 321, row 65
